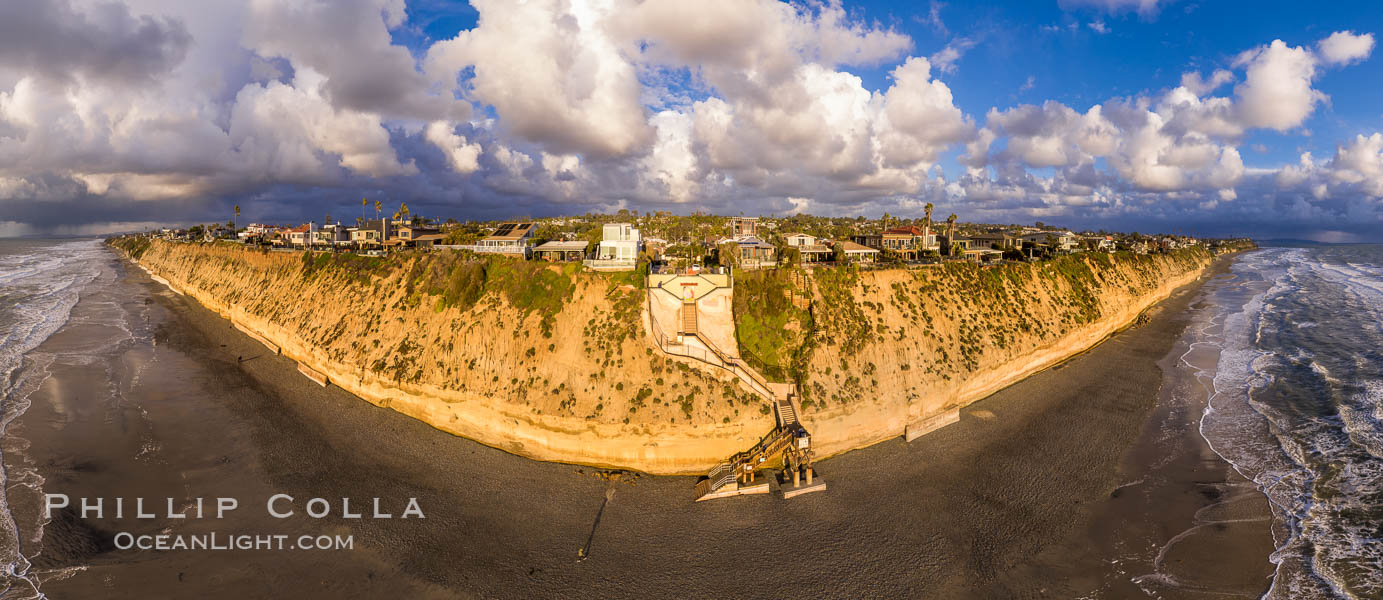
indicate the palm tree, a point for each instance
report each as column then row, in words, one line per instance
column 237, row 217
column 378, row 207
column 951, row 226
column 927, row 230
column 363, row 203
column 403, row 209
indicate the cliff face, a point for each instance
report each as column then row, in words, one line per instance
column 553, row 363
column 540, row 360
column 877, row 350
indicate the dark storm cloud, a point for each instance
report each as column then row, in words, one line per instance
column 106, row 43
column 344, row 41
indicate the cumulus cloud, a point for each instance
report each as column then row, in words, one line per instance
column 1344, row 47
column 348, row 42
column 1184, row 139
column 552, row 73
column 768, row 36
column 1276, row 92
column 172, row 111
column 1054, row 135
column 1200, row 86
column 292, row 132
column 1175, row 154
column 1358, row 164
column 462, row 156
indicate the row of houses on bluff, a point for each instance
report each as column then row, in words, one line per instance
column 744, row 242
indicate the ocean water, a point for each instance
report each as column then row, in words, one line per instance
column 1296, row 405
column 41, row 282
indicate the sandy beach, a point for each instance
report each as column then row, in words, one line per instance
column 1068, row 484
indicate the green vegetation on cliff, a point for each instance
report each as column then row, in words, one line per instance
column 945, row 321
column 770, row 326
column 134, row 246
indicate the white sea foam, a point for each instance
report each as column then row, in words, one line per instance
column 40, row 285
column 1319, row 463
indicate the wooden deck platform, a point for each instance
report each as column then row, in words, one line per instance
column 818, row 484
column 736, row 490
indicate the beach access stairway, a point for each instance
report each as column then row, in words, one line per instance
column 725, row 478
column 788, row 441
column 698, row 347
column 689, row 318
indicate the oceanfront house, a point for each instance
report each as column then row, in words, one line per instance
column 858, row 253
column 654, row 247
column 815, row 253
column 257, row 231
column 218, row 233
column 750, row 252
column 1100, row 243
column 619, row 248
column 907, row 240
column 744, row 226
column 868, row 240
column 561, row 251
column 409, row 233
column 1060, row 241
column 907, row 243
column 954, row 245
column 373, row 232
column 514, row 239
column 1065, row 241
column 300, row 236
column 811, row 248
column 331, row 235
column 996, row 240
column 425, row 241
column 982, row 255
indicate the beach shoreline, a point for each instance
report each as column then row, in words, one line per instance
column 987, row 506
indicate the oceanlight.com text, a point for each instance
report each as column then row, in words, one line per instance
column 215, row 541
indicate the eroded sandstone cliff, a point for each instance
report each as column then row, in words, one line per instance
column 554, row 363
column 877, row 350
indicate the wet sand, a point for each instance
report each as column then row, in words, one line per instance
column 1018, row 499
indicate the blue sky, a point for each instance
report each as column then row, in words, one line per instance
column 1069, row 111
column 1029, row 52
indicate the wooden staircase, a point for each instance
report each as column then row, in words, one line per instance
column 689, row 318
column 787, row 413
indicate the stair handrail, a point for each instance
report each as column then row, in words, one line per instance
column 735, row 361
column 733, row 364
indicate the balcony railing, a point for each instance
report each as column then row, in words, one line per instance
column 611, row 264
